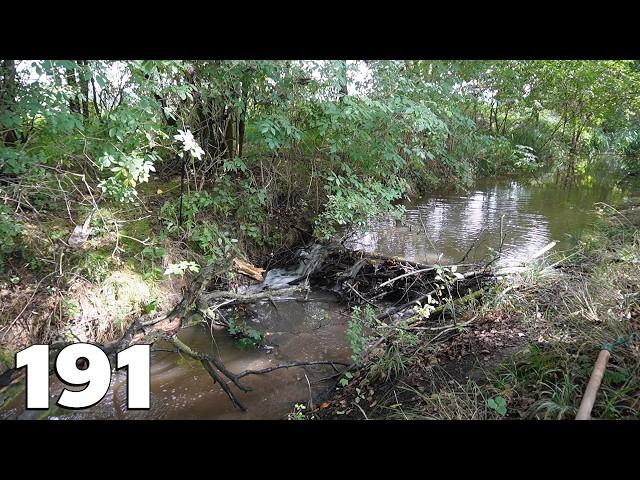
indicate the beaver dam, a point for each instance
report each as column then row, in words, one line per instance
column 237, row 347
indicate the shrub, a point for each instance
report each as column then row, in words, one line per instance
column 9, row 231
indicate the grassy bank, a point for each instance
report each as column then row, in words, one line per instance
column 528, row 350
column 135, row 261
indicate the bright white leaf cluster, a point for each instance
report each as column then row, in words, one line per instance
column 189, row 143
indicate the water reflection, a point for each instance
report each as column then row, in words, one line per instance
column 442, row 226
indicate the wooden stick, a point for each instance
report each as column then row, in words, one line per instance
column 287, row 365
column 408, row 274
column 542, row 251
column 358, row 294
column 251, row 297
column 589, row 398
column 380, row 256
column 394, row 310
column 249, row 270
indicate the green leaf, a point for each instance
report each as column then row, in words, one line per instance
column 100, row 80
column 499, row 404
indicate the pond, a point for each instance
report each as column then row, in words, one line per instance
column 525, row 214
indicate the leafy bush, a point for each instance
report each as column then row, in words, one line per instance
column 358, row 341
column 525, row 158
column 627, row 141
column 352, row 201
column 127, row 172
column 181, row 267
column 213, row 242
column 96, row 266
column 9, row 231
column 246, row 336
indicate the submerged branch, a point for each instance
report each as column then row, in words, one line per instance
column 287, row 365
column 252, row 297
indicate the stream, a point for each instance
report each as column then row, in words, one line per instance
column 312, row 327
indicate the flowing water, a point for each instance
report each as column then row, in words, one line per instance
column 440, row 227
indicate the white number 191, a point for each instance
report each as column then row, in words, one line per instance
column 96, row 377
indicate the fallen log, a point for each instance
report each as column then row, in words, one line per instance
column 523, row 266
column 387, row 258
column 288, row 365
column 394, row 310
column 394, row 328
column 249, row 270
column 418, row 318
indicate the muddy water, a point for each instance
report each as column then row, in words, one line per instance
column 440, row 227
column 296, row 329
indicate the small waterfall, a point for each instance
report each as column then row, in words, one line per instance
column 307, row 261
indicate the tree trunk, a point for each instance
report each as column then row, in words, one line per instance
column 493, row 114
column 8, row 90
column 573, row 152
column 74, row 105
column 229, row 132
column 504, row 121
column 95, row 97
column 241, row 127
column 84, row 89
column 343, row 79
column 243, row 113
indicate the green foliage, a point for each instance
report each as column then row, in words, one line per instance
column 9, row 231
column 625, row 141
column 150, row 307
column 215, row 244
column 344, row 381
column 498, row 404
column 7, row 358
column 246, row 336
column 257, row 132
column 359, row 342
column 299, row 413
column 95, row 266
column 277, row 131
column 525, row 158
column 127, row 171
column 16, row 161
column 71, row 308
column 393, row 363
column 351, row 201
column 151, row 259
column 210, row 238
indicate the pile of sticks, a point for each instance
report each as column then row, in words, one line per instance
column 390, row 284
